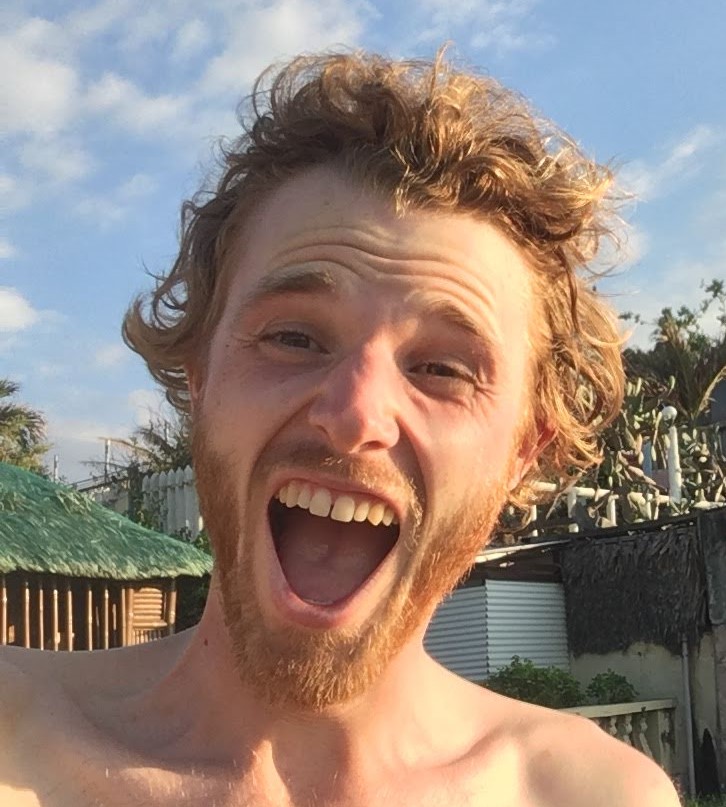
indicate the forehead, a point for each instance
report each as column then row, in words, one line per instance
column 321, row 218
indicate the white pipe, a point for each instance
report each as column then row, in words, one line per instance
column 688, row 717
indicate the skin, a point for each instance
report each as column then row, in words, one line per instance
column 376, row 377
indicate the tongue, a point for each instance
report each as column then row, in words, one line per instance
column 325, row 560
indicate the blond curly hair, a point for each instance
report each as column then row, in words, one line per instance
column 427, row 136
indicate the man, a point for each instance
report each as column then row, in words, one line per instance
column 376, row 325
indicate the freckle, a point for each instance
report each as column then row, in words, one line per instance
column 206, row 643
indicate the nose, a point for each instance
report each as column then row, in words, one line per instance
column 357, row 405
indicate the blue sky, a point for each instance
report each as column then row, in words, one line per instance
column 108, row 113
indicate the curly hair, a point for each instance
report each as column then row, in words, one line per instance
column 427, row 136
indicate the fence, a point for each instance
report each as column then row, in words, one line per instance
column 171, row 500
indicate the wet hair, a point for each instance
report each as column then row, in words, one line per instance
column 427, row 136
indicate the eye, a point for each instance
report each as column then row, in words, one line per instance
column 439, row 369
column 292, row 340
column 442, row 379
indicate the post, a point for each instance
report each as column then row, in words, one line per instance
column 56, row 626
column 69, row 616
column 26, row 612
column 89, row 616
column 55, row 468
column 41, row 616
column 675, row 478
column 105, row 616
column 171, row 608
column 124, row 629
column 571, row 502
column 130, row 615
column 688, row 716
column 3, row 610
column 106, row 458
column 673, row 458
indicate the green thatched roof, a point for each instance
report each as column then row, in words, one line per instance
column 46, row 527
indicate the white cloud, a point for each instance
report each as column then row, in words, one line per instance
column 192, row 38
column 111, row 355
column 7, row 250
column 16, row 313
column 77, row 441
column 90, row 22
column 59, row 159
column 259, row 34
column 133, row 109
column 14, row 194
column 487, row 24
column 137, row 186
column 112, row 207
column 635, row 246
column 43, row 92
column 681, row 160
column 150, row 26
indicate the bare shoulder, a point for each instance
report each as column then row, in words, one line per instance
column 48, row 701
column 571, row 761
column 558, row 759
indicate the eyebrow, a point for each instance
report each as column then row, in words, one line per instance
column 452, row 316
column 318, row 280
column 293, row 280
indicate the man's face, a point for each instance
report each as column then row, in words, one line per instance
column 371, row 371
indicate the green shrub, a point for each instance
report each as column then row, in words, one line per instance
column 610, row 687
column 545, row 686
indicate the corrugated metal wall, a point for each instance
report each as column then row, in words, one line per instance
column 478, row 629
column 457, row 634
column 526, row 620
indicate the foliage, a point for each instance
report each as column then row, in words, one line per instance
column 545, row 686
column 22, row 431
column 164, row 444
column 556, row 688
column 685, row 352
column 193, row 591
column 610, row 687
column 640, row 436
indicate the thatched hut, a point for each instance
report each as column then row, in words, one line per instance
column 76, row 576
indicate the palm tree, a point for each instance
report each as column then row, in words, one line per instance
column 162, row 445
column 22, row 431
column 683, row 351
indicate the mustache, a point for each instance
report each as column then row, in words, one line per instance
column 353, row 469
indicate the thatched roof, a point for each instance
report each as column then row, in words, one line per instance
column 644, row 585
column 45, row 527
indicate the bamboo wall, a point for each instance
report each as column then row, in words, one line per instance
column 52, row 612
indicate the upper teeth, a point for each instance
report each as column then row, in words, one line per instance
column 339, row 506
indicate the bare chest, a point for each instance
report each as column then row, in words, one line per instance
column 105, row 779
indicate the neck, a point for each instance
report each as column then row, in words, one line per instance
column 206, row 713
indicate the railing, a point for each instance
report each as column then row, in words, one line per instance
column 646, row 725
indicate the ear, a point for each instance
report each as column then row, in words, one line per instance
column 533, row 443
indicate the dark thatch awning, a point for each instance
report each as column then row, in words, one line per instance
column 51, row 528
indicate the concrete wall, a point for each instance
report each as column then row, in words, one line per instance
column 655, row 673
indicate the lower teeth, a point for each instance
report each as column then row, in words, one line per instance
column 319, row 602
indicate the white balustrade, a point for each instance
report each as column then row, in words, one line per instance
column 645, row 725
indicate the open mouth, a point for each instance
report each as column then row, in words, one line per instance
column 329, row 544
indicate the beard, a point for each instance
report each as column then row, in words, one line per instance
column 313, row 670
